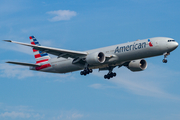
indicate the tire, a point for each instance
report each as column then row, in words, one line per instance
column 105, row 76
column 114, row 74
column 82, row 72
column 108, row 76
column 164, row 61
column 111, row 75
column 90, row 70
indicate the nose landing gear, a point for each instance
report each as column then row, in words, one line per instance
column 164, row 60
column 165, row 56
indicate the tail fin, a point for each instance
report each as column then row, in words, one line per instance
column 41, row 57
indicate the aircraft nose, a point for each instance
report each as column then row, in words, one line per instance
column 172, row 45
column 176, row 44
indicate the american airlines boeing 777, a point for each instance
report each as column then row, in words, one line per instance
column 130, row 55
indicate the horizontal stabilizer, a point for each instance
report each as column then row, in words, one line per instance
column 23, row 64
column 7, row 40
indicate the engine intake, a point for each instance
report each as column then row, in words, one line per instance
column 95, row 58
column 137, row 65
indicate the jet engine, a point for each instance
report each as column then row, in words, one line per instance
column 137, row 65
column 95, row 58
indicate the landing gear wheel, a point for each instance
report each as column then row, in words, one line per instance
column 109, row 75
column 165, row 56
column 105, row 76
column 114, row 74
column 164, row 61
column 86, row 71
column 90, row 70
column 82, row 72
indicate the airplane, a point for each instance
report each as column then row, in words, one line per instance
column 130, row 55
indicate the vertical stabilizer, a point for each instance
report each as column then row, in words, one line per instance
column 41, row 57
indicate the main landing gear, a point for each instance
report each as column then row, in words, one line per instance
column 165, row 56
column 110, row 74
column 86, row 70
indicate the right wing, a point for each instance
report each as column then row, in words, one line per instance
column 54, row 51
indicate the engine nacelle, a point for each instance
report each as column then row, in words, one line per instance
column 95, row 58
column 137, row 65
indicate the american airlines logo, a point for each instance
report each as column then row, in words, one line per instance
column 134, row 46
column 149, row 42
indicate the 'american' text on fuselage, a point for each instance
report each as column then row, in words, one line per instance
column 134, row 46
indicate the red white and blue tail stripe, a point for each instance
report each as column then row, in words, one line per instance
column 41, row 57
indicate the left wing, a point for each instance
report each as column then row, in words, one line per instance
column 54, row 51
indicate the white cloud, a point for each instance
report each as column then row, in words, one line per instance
column 62, row 15
column 7, row 70
column 69, row 115
column 27, row 112
column 21, row 72
column 100, row 86
column 15, row 47
column 145, row 83
column 140, row 87
column 14, row 114
column 96, row 86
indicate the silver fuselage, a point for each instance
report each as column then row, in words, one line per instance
column 120, row 53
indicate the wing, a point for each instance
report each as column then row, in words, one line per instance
column 54, row 51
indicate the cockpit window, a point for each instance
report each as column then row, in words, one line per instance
column 171, row 40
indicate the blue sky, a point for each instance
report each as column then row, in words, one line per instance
column 81, row 25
